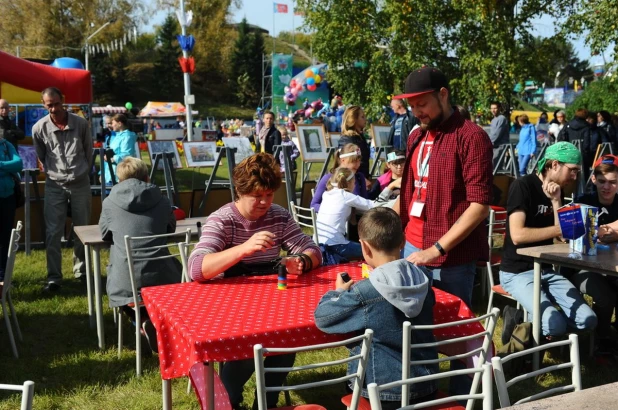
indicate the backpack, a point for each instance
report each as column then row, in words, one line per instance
column 516, row 337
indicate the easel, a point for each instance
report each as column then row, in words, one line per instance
column 168, row 172
column 30, row 176
column 93, row 181
column 377, row 162
column 231, row 163
column 603, row 148
column 290, row 182
column 506, row 165
column 534, row 161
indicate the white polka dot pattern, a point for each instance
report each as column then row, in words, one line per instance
column 223, row 319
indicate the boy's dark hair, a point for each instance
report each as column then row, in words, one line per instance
column 381, row 228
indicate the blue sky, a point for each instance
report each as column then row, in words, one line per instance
column 260, row 13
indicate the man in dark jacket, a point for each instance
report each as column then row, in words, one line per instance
column 579, row 129
column 402, row 125
column 8, row 130
column 269, row 136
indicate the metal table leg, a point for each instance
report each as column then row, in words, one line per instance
column 536, row 312
column 167, row 394
column 91, row 314
column 97, row 295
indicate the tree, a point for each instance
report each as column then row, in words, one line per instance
column 597, row 20
column 599, row 95
column 166, row 68
column 246, row 64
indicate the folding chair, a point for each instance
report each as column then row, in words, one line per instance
column 357, row 378
column 573, row 364
column 136, row 252
column 27, row 393
column 496, row 229
column 305, row 217
column 184, row 249
column 487, row 394
column 5, row 295
column 451, row 348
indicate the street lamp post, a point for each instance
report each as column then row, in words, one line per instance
column 94, row 34
column 187, row 82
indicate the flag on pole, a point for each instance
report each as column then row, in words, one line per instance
column 280, row 8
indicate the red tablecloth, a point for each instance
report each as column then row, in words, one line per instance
column 223, row 319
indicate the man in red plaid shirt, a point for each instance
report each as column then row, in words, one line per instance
column 446, row 186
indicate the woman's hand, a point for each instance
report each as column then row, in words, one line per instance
column 607, row 234
column 294, row 265
column 260, row 241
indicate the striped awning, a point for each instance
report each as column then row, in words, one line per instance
column 108, row 110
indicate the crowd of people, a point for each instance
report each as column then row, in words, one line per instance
column 420, row 224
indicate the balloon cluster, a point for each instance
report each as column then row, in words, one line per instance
column 313, row 78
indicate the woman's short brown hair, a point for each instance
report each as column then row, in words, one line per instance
column 259, row 172
column 121, row 118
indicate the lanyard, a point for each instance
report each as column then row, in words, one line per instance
column 424, row 165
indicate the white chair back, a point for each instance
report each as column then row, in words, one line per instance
column 305, row 217
column 484, row 372
column 8, row 310
column 135, row 253
column 357, row 378
column 27, row 393
column 479, row 345
column 184, row 249
column 496, row 228
column 573, row 364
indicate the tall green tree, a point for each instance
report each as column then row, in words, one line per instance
column 597, row 21
column 166, row 68
column 246, row 64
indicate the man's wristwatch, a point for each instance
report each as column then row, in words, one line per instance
column 440, row 248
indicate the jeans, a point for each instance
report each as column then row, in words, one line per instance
column 555, row 290
column 57, row 199
column 456, row 280
column 235, row 374
column 602, row 289
column 459, row 281
column 523, row 164
column 7, row 219
column 350, row 250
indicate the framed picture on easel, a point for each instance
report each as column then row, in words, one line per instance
column 332, row 139
column 379, row 134
column 156, row 147
column 200, row 154
column 312, row 143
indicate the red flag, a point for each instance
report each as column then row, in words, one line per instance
column 280, row 8
column 187, row 64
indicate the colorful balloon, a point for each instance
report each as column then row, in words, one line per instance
column 312, row 87
column 128, row 105
column 315, row 70
column 292, row 83
column 318, row 79
column 310, row 81
column 286, row 89
column 309, row 73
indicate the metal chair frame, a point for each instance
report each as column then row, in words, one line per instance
column 27, row 393
column 357, row 378
column 573, row 364
column 8, row 310
column 305, row 217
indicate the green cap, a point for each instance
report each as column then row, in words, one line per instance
column 564, row 152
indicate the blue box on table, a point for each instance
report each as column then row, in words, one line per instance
column 579, row 223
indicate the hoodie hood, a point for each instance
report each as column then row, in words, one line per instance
column 578, row 124
column 403, row 284
column 135, row 196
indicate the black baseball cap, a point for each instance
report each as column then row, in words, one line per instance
column 423, row 81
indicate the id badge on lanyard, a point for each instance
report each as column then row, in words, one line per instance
column 419, row 205
column 417, row 208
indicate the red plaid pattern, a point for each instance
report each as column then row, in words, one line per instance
column 460, row 172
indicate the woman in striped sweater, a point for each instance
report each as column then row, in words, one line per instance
column 252, row 230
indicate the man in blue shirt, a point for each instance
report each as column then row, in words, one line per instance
column 402, row 125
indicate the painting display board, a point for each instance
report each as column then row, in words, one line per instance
column 156, row 147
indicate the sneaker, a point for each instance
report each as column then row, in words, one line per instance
column 511, row 317
column 149, row 331
column 51, row 287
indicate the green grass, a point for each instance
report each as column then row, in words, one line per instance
column 59, row 353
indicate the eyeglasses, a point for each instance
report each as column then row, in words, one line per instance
column 573, row 170
column 398, row 163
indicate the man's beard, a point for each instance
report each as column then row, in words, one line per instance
column 434, row 122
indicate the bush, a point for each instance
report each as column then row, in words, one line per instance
column 600, row 95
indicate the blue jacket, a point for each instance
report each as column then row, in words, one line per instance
column 123, row 144
column 10, row 163
column 527, row 140
column 395, row 292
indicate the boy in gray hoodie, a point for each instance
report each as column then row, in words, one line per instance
column 396, row 291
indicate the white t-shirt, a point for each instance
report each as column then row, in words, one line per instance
column 334, row 212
